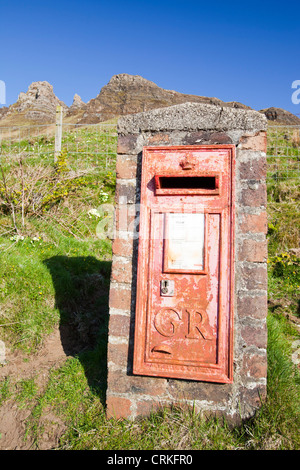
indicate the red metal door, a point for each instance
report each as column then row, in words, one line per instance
column 184, row 312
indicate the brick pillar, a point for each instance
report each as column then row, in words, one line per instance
column 192, row 124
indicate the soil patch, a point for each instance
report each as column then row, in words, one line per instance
column 13, row 418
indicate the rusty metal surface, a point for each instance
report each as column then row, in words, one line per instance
column 186, row 245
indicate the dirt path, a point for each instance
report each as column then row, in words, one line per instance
column 13, row 418
column 50, row 354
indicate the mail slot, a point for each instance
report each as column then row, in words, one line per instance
column 175, row 184
column 184, row 307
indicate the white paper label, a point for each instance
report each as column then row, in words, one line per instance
column 185, row 242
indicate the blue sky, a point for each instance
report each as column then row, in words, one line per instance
column 243, row 51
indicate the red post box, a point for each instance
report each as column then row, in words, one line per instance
column 184, row 308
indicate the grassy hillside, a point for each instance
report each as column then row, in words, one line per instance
column 54, row 282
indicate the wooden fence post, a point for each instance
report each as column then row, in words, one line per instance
column 58, row 132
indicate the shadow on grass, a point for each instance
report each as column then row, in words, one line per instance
column 81, row 295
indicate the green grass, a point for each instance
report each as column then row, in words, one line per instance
column 55, row 273
column 26, row 391
column 56, row 251
column 283, row 173
column 80, row 405
column 5, row 390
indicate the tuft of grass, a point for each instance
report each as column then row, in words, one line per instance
column 5, row 390
column 26, row 391
column 276, row 424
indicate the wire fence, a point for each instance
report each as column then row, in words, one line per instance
column 93, row 147
column 89, row 148
column 283, row 153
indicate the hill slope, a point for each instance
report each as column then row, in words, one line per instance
column 129, row 94
column 124, row 94
column 281, row 116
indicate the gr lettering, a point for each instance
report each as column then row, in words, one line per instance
column 167, row 322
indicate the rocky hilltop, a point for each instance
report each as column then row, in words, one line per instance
column 3, row 112
column 77, row 106
column 129, row 94
column 37, row 105
column 281, row 116
column 124, row 94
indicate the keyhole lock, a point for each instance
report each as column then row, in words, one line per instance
column 166, row 288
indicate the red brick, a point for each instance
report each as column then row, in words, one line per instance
column 118, row 354
column 126, row 143
column 255, row 169
column 255, row 336
column 254, row 196
column 255, row 307
column 119, row 325
column 255, row 366
column 254, row 277
column 220, row 138
column 119, row 298
column 159, row 139
column 253, row 251
column 193, row 390
column 122, row 383
column 207, row 137
column 146, row 407
column 125, row 216
column 122, row 247
column 254, row 223
column 121, row 270
column 126, row 167
column 125, row 192
column 252, row 398
column 118, row 407
column 254, row 142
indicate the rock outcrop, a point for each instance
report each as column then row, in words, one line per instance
column 280, row 116
column 3, row 112
column 77, row 104
column 38, row 104
column 130, row 94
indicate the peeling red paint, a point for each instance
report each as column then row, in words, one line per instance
column 187, row 333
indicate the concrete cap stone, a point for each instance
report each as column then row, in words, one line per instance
column 192, row 117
